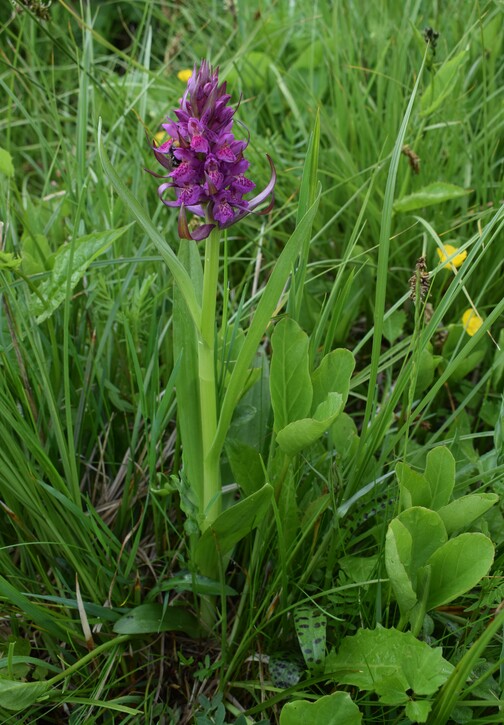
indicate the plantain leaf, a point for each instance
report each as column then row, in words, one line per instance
column 435, row 193
column 458, row 566
column 303, row 433
column 71, row 262
column 463, row 511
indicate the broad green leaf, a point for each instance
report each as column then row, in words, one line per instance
column 442, row 84
column 290, row 383
column 398, row 546
column 393, row 664
column 343, row 436
column 435, row 193
column 17, row 696
column 418, row 710
column 458, row 566
column 79, row 254
column 463, row 511
column 427, row 533
column 337, row 708
column 234, row 524
column 152, row 618
column 413, row 487
column 303, row 433
column 6, row 165
column 333, row 376
column 310, row 624
column 440, row 475
column 246, row 465
column 36, row 253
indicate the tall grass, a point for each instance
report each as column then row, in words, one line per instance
column 92, row 523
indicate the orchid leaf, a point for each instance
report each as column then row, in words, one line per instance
column 152, row 618
column 290, row 383
column 17, row 696
column 311, row 626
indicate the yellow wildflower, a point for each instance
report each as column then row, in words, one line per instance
column 447, row 251
column 184, row 75
column 471, row 321
column 160, row 136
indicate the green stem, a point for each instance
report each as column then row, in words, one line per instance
column 88, row 658
column 207, row 382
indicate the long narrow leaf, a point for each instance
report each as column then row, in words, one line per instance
column 262, row 317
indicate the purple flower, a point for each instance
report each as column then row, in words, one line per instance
column 204, row 160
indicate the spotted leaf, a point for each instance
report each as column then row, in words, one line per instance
column 310, row 624
column 284, row 673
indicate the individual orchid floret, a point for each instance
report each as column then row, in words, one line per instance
column 204, row 161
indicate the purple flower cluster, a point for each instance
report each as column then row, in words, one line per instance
column 205, row 161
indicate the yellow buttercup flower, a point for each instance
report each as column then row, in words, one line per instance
column 184, row 75
column 160, row 136
column 447, row 251
column 471, row 321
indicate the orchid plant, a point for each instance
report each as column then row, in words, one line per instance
column 205, row 165
column 204, row 176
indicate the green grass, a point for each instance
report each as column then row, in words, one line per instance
column 89, row 435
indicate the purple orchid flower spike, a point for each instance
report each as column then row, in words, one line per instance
column 204, row 160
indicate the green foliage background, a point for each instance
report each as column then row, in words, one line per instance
column 88, row 420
